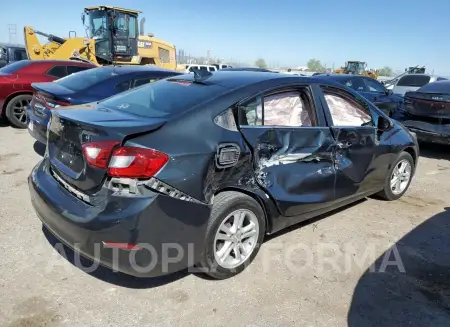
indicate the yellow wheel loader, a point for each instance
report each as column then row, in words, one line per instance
column 112, row 38
column 357, row 68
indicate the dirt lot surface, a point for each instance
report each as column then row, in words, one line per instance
column 332, row 271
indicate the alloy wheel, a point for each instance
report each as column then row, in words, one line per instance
column 400, row 176
column 236, row 238
column 20, row 110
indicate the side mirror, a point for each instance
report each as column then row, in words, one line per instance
column 383, row 124
column 389, row 92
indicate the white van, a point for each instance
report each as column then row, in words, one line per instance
column 222, row 66
column 209, row 68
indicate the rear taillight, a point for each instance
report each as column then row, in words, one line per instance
column 126, row 161
column 97, row 153
column 49, row 102
column 133, row 162
column 53, row 104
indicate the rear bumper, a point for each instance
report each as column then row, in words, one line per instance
column 426, row 131
column 170, row 232
column 39, row 131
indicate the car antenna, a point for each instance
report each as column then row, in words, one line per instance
column 201, row 75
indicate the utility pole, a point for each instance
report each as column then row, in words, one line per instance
column 12, row 30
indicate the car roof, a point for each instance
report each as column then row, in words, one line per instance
column 51, row 61
column 238, row 79
column 339, row 77
column 127, row 69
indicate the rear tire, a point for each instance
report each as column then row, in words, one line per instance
column 16, row 110
column 399, row 178
column 234, row 234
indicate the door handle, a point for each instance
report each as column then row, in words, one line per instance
column 343, row 145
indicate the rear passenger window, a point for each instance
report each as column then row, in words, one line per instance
column 290, row 109
column 250, row 113
column 143, row 81
column 212, row 69
column 356, row 84
column 346, row 110
column 58, row 71
column 122, row 86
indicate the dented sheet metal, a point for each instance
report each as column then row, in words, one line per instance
column 294, row 165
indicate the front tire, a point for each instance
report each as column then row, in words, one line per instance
column 399, row 178
column 16, row 110
column 234, row 234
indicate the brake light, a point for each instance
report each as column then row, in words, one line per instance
column 49, row 102
column 56, row 104
column 97, row 153
column 134, row 162
column 126, row 161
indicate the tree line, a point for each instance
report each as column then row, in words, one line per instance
column 316, row 66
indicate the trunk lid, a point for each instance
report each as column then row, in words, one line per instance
column 54, row 90
column 49, row 96
column 70, row 129
column 434, row 106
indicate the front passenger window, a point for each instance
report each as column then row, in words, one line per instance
column 346, row 111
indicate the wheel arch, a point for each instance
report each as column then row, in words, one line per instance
column 410, row 150
column 253, row 195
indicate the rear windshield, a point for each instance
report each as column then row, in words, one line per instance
column 11, row 68
column 86, row 79
column 436, row 87
column 164, row 97
column 414, row 80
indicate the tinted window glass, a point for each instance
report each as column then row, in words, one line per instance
column 356, row 84
column 122, row 86
column 58, row 71
column 11, row 68
column 441, row 79
column 143, row 81
column 76, row 69
column 163, row 97
column 414, row 80
column 203, row 68
column 250, row 113
column 192, row 68
column 374, row 86
column 87, row 78
column 20, row 55
column 212, row 69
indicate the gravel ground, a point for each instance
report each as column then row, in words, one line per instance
column 316, row 274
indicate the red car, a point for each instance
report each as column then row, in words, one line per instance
column 16, row 79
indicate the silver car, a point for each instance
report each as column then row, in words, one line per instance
column 412, row 82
